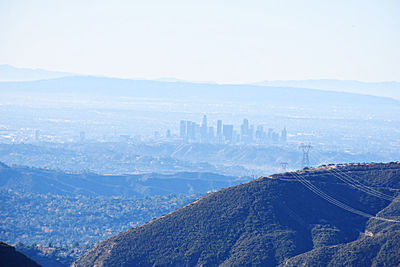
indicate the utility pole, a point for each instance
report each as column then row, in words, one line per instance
column 284, row 166
column 306, row 160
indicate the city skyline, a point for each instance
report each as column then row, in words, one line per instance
column 190, row 131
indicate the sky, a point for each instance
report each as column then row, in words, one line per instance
column 219, row 41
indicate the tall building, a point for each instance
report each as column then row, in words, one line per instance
column 244, row 131
column 250, row 133
column 204, row 122
column 204, row 130
column 192, row 131
column 284, row 135
column 219, row 131
column 182, row 130
column 189, row 130
column 244, row 128
column 228, row 132
column 260, row 133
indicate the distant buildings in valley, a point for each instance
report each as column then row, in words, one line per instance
column 190, row 131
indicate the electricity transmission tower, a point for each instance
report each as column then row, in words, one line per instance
column 306, row 160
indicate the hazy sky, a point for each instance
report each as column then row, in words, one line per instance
column 204, row 40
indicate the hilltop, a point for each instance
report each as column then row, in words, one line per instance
column 272, row 221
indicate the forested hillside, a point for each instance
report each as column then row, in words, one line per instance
column 282, row 219
column 73, row 211
column 43, row 181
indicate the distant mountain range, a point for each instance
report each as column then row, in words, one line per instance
column 10, row 73
column 274, row 221
column 387, row 89
column 90, row 86
column 261, row 101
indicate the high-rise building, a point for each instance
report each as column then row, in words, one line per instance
column 250, row 133
column 204, row 130
column 260, row 133
column 192, row 131
column 244, row 129
column 182, row 130
column 228, row 132
column 284, row 135
column 188, row 130
column 219, row 131
column 204, row 122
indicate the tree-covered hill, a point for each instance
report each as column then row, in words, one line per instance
column 272, row 221
column 379, row 245
column 44, row 181
column 42, row 206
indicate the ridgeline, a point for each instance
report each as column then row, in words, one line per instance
column 274, row 221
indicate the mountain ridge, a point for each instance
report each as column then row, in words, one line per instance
column 262, row 222
column 390, row 89
column 43, row 181
column 178, row 90
column 11, row 73
column 384, row 88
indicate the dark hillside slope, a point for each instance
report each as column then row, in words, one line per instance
column 9, row 257
column 266, row 222
column 379, row 245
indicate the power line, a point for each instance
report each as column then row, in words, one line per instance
column 335, row 202
column 358, row 185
